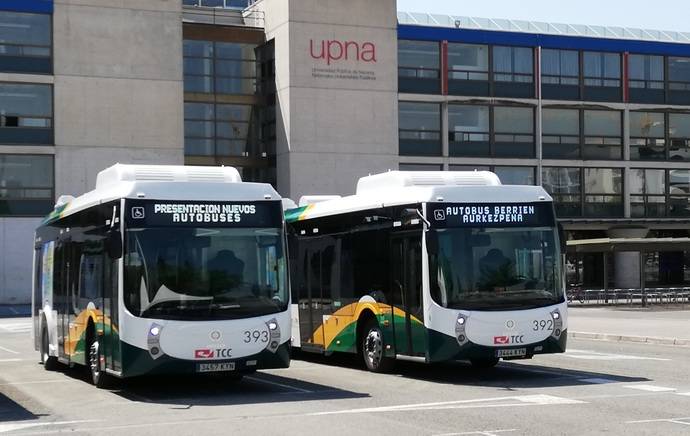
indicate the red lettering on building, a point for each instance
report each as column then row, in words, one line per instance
column 333, row 50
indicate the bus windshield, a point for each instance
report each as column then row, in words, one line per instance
column 495, row 268
column 204, row 273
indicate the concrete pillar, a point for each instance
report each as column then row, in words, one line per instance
column 627, row 268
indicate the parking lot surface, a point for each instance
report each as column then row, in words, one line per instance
column 596, row 387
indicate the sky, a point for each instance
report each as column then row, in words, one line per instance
column 648, row 14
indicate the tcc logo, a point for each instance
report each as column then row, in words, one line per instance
column 439, row 215
column 138, row 213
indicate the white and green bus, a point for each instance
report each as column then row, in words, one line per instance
column 163, row 269
column 428, row 266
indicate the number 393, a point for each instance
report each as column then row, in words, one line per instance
column 255, row 336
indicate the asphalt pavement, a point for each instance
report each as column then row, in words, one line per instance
column 596, row 387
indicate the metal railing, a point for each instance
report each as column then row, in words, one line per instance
column 219, row 15
column 629, row 296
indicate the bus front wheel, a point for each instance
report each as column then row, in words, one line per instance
column 373, row 348
column 49, row 362
column 98, row 376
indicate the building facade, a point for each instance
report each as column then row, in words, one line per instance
column 310, row 96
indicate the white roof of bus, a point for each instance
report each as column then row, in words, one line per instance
column 396, row 188
column 167, row 182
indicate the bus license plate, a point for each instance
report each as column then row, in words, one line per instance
column 215, row 367
column 515, row 352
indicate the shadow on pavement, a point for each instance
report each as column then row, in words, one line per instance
column 12, row 411
column 202, row 390
column 507, row 375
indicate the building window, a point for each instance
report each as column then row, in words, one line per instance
column 419, row 66
column 603, row 134
column 468, row 130
column 220, row 130
column 647, row 193
column 678, row 74
column 560, row 67
column 25, row 42
column 679, row 136
column 468, row 62
column 513, row 131
column 26, row 114
column 420, row 129
column 234, row 4
column 646, row 72
column 513, row 64
column 564, row 185
column 602, row 69
column 603, row 192
column 26, row 185
column 419, row 167
column 679, row 193
column 602, row 76
column 469, row 168
column 561, row 133
column 219, row 67
column 647, row 133
column 515, row 175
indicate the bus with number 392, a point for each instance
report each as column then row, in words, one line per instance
column 163, row 269
column 430, row 267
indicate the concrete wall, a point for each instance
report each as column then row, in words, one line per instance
column 16, row 237
column 337, row 117
column 118, row 87
column 118, row 96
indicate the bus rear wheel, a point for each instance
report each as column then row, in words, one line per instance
column 373, row 348
column 49, row 362
column 484, row 363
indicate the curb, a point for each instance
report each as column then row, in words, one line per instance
column 627, row 338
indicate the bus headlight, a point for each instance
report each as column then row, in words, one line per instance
column 460, row 329
column 273, row 335
column 154, row 341
column 557, row 324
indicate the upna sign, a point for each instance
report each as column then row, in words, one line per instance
column 333, row 50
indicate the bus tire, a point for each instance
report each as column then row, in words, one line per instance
column 98, row 377
column 372, row 347
column 49, row 362
column 484, row 363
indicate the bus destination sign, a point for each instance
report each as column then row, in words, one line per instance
column 203, row 214
column 490, row 214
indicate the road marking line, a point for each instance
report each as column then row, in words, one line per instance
column 16, row 425
column 673, row 420
column 527, row 400
column 595, row 355
column 479, row 432
column 33, row 382
column 598, row 381
column 8, row 350
column 687, row 394
column 650, row 388
column 306, row 391
column 12, row 360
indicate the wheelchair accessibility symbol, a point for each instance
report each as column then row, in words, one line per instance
column 439, row 215
column 138, row 213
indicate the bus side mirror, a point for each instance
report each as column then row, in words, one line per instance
column 432, row 243
column 113, row 244
column 562, row 238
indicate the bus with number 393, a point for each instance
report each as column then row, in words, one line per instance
column 428, row 266
column 163, row 269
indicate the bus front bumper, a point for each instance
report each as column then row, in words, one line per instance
column 137, row 362
column 443, row 348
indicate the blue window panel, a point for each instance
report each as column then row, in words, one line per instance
column 471, row 36
column 39, row 6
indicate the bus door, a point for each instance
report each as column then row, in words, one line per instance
column 310, row 296
column 406, row 289
column 61, row 300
